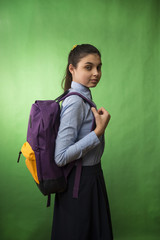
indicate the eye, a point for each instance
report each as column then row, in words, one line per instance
column 88, row 67
column 99, row 68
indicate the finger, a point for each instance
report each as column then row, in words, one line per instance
column 94, row 110
column 102, row 110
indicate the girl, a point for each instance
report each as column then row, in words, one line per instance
column 88, row 217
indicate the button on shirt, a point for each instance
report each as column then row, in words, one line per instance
column 75, row 139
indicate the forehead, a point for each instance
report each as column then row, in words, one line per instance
column 91, row 58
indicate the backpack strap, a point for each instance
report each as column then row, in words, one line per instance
column 48, row 200
column 67, row 94
column 77, row 178
column 78, row 161
column 58, row 99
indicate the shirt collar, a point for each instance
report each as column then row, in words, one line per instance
column 82, row 89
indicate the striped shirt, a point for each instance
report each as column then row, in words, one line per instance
column 75, row 139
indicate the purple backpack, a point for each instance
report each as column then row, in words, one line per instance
column 42, row 131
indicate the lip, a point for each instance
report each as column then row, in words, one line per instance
column 94, row 80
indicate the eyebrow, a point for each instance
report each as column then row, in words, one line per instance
column 92, row 63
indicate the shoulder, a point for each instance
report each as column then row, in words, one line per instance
column 73, row 100
column 73, row 106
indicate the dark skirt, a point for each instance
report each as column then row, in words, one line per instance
column 85, row 218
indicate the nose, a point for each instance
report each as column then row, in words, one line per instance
column 95, row 72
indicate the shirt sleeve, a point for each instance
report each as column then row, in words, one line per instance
column 67, row 147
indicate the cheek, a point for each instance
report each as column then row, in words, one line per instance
column 85, row 75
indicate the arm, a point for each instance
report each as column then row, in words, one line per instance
column 67, row 147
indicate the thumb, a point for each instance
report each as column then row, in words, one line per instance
column 94, row 110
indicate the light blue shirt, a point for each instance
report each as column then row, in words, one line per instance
column 75, row 139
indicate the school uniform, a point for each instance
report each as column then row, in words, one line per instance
column 88, row 216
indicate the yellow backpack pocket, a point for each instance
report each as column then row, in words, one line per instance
column 30, row 161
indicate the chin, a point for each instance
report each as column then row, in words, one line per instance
column 93, row 85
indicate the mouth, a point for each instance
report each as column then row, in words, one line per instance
column 94, row 80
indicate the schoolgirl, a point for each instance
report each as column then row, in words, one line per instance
column 88, row 216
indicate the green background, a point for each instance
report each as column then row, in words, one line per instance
column 35, row 39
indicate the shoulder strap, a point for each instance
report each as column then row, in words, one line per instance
column 58, row 99
column 62, row 97
column 79, row 161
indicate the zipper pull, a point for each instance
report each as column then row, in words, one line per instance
column 19, row 156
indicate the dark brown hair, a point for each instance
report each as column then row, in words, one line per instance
column 74, row 58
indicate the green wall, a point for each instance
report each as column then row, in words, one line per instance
column 35, row 39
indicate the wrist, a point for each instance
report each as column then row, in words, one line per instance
column 98, row 132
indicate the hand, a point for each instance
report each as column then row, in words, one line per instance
column 102, row 118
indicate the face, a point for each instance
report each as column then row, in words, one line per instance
column 88, row 71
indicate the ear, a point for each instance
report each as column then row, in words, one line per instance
column 71, row 68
